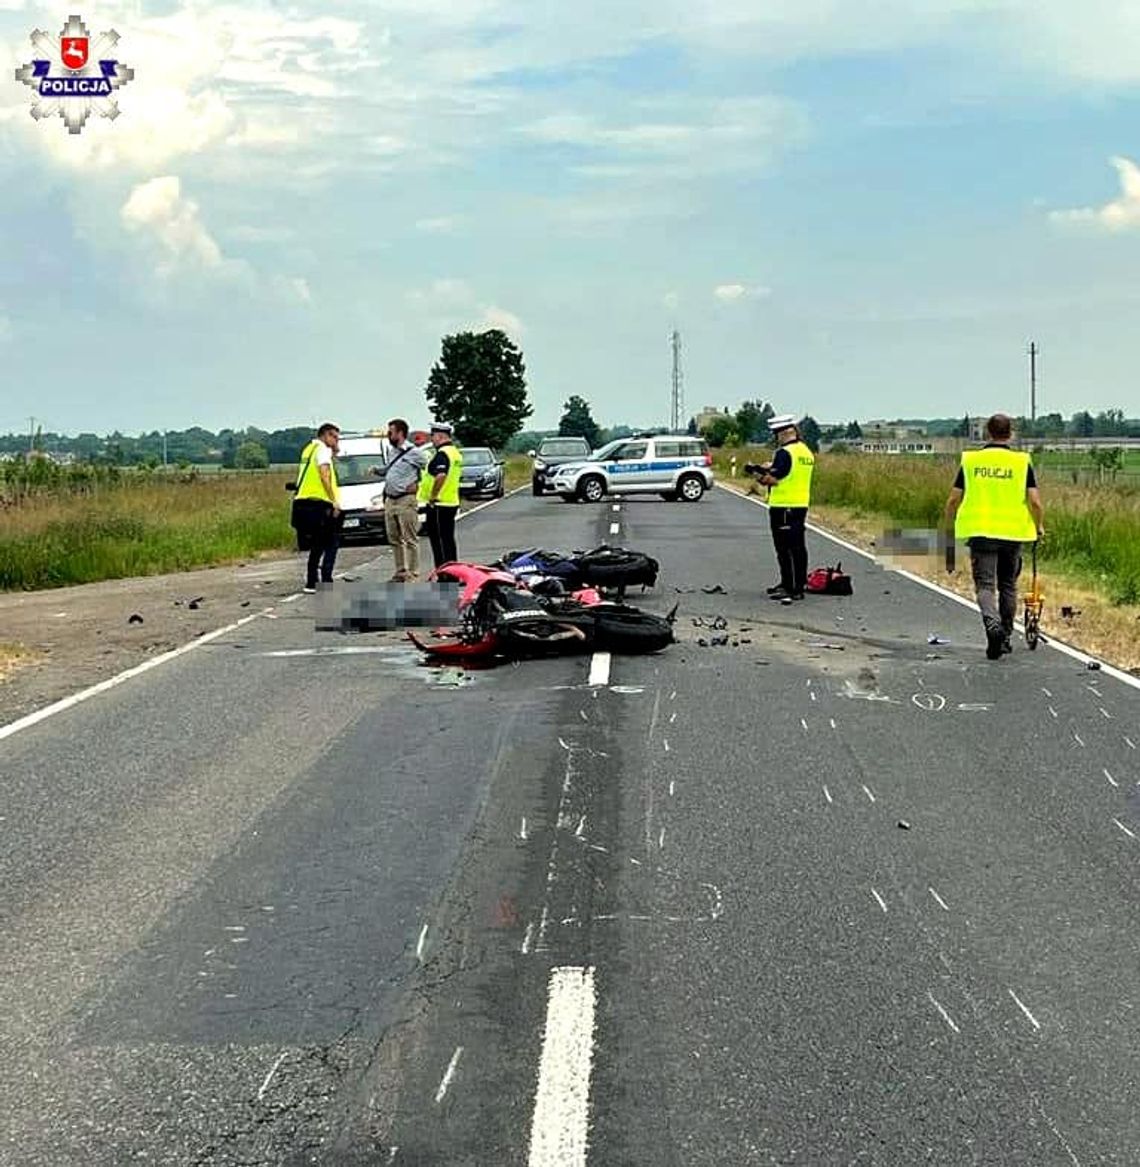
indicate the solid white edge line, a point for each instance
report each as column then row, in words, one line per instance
column 14, row 727
column 1036, row 1024
column 449, row 1075
column 600, row 669
column 560, row 1127
column 269, row 1077
column 945, row 1016
column 60, row 706
column 1050, row 641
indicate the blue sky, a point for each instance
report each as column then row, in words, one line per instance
column 851, row 208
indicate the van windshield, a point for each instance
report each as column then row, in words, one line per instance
column 355, row 469
column 565, row 447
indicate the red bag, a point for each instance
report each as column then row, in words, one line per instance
column 829, row 581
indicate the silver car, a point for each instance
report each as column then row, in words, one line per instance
column 671, row 465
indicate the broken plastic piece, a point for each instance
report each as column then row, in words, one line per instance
column 934, row 638
column 904, row 825
column 135, row 619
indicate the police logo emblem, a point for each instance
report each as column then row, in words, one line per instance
column 75, row 77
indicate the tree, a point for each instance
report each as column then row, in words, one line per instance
column 479, row 386
column 691, row 428
column 1082, row 424
column 962, row 430
column 251, row 456
column 751, row 420
column 809, row 431
column 577, row 422
column 853, row 432
column 721, row 431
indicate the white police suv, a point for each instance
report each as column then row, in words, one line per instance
column 674, row 466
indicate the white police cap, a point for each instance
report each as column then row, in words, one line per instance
column 441, row 427
column 781, row 421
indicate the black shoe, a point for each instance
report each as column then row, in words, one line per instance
column 779, row 594
column 1007, row 644
column 775, row 588
column 797, row 595
column 995, row 639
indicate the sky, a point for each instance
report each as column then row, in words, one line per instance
column 849, row 208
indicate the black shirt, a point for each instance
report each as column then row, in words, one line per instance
column 1030, row 481
column 440, row 463
column 781, row 464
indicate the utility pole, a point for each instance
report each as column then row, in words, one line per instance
column 1033, row 351
column 678, row 399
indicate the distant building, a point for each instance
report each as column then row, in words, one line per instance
column 708, row 415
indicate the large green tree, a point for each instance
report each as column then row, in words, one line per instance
column 578, row 422
column 751, row 421
column 809, row 431
column 479, row 386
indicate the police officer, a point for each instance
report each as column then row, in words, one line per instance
column 995, row 507
column 788, row 477
column 439, row 490
column 316, row 507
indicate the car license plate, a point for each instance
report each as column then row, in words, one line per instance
column 352, row 522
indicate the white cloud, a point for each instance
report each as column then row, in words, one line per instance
column 1118, row 215
column 443, row 293
column 452, row 303
column 158, row 210
column 441, row 225
column 500, row 318
column 731, row 293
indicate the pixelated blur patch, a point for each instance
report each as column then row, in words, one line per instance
column 910, row 543
column 364, row 607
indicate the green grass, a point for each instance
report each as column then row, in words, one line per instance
column 1092, row 531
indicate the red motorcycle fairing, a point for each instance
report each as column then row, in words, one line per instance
column 472, row 577
column 457, row 648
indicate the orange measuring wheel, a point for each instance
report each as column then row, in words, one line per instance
column 1034, row 606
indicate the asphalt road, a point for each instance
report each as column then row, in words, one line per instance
column 826, row 894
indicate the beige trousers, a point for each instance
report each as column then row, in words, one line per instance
column 402, row 523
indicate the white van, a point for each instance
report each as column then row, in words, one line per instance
column 360, row 461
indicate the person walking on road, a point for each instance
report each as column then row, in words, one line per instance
column 317, row 513
column 995, row 507
column 788, row 478
column 439, row 489
column 401, row 503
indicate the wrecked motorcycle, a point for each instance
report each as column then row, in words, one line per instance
column 499, row 615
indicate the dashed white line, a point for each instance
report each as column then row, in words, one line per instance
column 615, row 528
column 1033, row 1020
column 269, row 1078
column 1111, row 781
column 939, row 900
column 666, row 744
column 1047, row 693
column 882, row 902
column 833, row 725
column 1124, row 828
column 868, row 793
column 1053, row 712
column 672, row 788
column 1078, row 739
column 559, row 1129
column 945, row 1016
column 528, row 939
column 420, row 945
column 827, row 795
column 599, row 669
column 1105, row 713
column 813, row 696
column 672, row 717
column 617, row 507
column 522, row 828
column 1129, row 743
column 581, row 827
column 661, row 840
column 804, row 724
column 449, row 1075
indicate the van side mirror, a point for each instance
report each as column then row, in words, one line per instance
column 531, row 453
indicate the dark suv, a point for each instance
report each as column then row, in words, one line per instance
column 552, row 453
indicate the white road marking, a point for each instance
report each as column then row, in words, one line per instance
column 1111, row 781
column 940, row 901
column 522, row 828
column 1053, row 712
column 26, row 722
column 582, row 715
column 1129, row 743
column 1033, row 1020
column 269, row 1077
column 615, row 528
column 930, row 702
column 813, row 696
column 560, row 1127
column 1078, row 739
column 1107, row 716
column 673, row 695
column 882, row 902
column 868, row 794
column 527, row 939
column 827, row 795
column 581, row 827
column 1047, row 693
column 804, row 724
column 447, row 1077
column 666, row 743
column 600, row 669
column 672, row 717
column 975, row 707
column 661, row 840
column 945, row 1016
column 420, row 946
column 672, row 788
column 833, row 725
column 617, row 507
column 1124, row 828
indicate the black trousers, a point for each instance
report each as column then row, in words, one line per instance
column 318, row 533
column 441, row 534
column 789, row 536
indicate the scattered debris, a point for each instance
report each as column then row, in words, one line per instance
column 452, row 678
column 715, row 590
column 934, row 638
column 826, row 644
column 245, row 603
column 933, row 656
column 1068, row 612
column 135, row 619
column 196, row 603
column 684, row 591
column 904, row 825
column 1094, row 666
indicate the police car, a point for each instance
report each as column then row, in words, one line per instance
column 672, row 465
column 360, row 462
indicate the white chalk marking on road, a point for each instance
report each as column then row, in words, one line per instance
column 672, row 717
column 672, row 787
column 617, row 507
column 235, row 928
column 868, row 793
column 939, row 900
column 1033, row 1020
column 1111, row 781
column 666, row 742
column 528, row 938
column 392, row 1155
column 615, row 528
column 581, row 827
column 1053, row 712
column 600, row 669
column 1078, row 739
column 673, row 695
column 882, row 902
column 562, row 743
column 945, row 1016
column 929, row 702
column 26, row 722
column 1124, row 828
column 833, row 725
column 804, row 724
column 582, row 715
column 269, row 1077
column 661, row 840
column 1047, row 694
column 827, row 795
column 1105, row 713
column 447, row 1078
column 522, row 828
column 636, row 862
column 1129, row 743
column 560, row 1126
column 813, row 696
column 420, row 945
column 1094, row 690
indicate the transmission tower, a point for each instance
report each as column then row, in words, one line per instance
column 678, row 401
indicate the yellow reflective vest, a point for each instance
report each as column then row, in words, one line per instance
column 794, row 490
column 449, row 492
column 309, row 484
column 994, row 504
